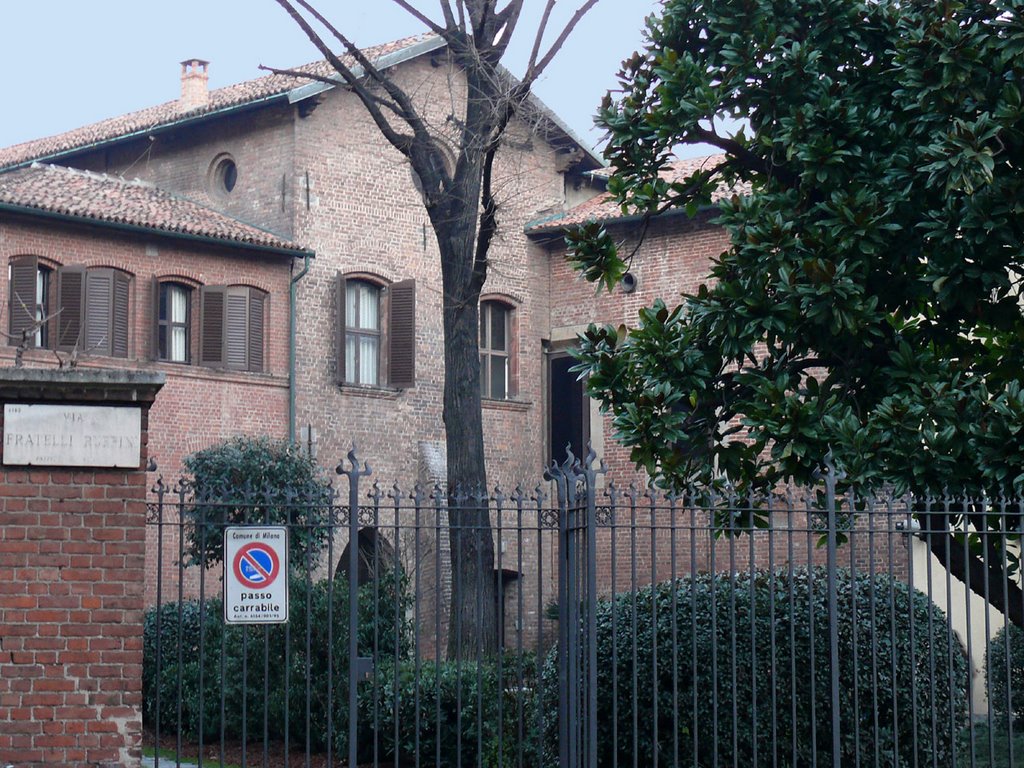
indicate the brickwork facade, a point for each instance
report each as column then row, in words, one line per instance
column 366, row 215
column 674, row 258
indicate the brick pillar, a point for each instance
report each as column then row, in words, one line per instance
column 72, row 554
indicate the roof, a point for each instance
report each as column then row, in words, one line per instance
column 605, row 208
column 52, row 190
column 230, row 98
column 243, row 95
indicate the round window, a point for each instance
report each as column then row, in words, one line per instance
column 224, row 174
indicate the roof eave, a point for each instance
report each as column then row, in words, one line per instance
column 383, row 62
column 554, row 228
column 154, row 129
column 120, row 226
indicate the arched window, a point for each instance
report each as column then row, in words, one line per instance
column 496, row 337
column 376, row 332
column 29, row 301
column 234, row 320
column 173, row 322
column 362, row 332
column 94, row 310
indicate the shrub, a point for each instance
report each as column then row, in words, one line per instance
column 452, row 713
column 710, row 616
column 269, row 671
column 1005, row 675
column 257, row 481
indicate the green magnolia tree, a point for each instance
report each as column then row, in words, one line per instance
column 869, row 299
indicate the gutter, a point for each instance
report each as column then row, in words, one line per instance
column 152, row 231
column 291, row 347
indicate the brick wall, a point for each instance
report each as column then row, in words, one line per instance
column 674, row 258
column 365, row 214
column 72, row 557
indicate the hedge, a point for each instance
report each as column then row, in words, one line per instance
column 1005, row 675
column 261, row 671
column 453, row 713
column 710, row 616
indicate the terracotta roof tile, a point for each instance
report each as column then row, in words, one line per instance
column 603, row 207
column 101, row 199
column 151, row 118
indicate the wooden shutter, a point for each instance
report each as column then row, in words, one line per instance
column 119, row 315
column 340, row 287
column 23, row 299
column 257, row 323
column 236, row 328
column 71, row 305
column 402, row 335
column 154, row 330
column 99, row 297
column 211, row 345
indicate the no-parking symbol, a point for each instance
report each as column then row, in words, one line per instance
column 255, row 575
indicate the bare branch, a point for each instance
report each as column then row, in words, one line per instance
column 535, row 68
column 538, row 38
column 449, row 16
column 25, row 339
column 404, row 107
column 422, row 18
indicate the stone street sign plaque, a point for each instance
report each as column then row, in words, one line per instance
column 71, row 436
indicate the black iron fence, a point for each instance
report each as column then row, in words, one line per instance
column 605, row 627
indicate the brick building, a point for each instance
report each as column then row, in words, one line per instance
column 273, row 209
column 303, row 161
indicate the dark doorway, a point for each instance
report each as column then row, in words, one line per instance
column 568, row 409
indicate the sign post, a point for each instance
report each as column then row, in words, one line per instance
column 256, row 575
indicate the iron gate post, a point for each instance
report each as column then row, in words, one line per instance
column 589, row 476
column 831, row 476
column 576, row 493
column 564, row 478
column 353, row 473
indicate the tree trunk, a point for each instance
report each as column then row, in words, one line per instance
column 473, row 626
column 473, row 621
column 985, row 576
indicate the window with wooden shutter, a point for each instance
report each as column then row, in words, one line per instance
column 94, row 311
column 119, row 315
column 360, row 332
column 376, row 332
column 71, row 305
column 29, row 305
column 236, row 328
column 233, row 327
column 402, row 335
column 211, row 346
column 172, row 326
column 99, row 298
column 257, row 323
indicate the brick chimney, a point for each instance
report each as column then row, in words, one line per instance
column 194, row 77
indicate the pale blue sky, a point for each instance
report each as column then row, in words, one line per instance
column 67, row 63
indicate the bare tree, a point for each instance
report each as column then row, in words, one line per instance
column 460, row 202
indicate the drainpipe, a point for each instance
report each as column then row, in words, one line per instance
column 291, row 349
